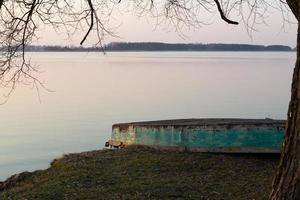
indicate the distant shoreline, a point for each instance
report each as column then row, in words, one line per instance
column 105, row 51
column 162, row 47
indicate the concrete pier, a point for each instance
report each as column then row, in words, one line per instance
column 203, row 135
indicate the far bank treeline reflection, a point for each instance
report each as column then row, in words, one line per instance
column 156, row 46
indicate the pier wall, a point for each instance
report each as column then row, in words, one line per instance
column 264, row 138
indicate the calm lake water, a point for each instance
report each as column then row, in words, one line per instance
column 93, row 91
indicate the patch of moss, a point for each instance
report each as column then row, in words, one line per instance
column 145, row 173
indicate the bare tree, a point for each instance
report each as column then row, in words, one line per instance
column 20, row 20
column 287, row 181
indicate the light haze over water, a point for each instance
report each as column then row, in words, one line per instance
column 93, row 91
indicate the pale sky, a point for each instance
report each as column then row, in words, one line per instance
column 133, row 29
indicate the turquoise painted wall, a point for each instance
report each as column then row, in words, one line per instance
column 210, row 139
column 256, row 138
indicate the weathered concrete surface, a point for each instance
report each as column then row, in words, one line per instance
column 204, row 135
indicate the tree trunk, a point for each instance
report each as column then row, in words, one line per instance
column 286, row 185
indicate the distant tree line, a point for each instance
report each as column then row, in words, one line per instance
column 156, row 46
column 60, row 49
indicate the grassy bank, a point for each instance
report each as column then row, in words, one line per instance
column 146, row 173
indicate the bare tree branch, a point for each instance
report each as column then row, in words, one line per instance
column 222, row 14
column 91, row 23
column 293, row 4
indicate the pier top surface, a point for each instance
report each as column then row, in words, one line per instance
column 205, row 121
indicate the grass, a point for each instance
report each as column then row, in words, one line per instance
column 146, row 173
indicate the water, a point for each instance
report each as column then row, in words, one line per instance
column 93, row 91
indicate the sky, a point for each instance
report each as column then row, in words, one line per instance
column 130, row 28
